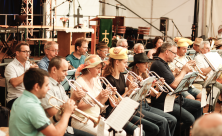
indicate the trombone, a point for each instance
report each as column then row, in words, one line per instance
column 193, row 69
column 95, row 120
column 87, row 101
column 135, row 76
column 112, row 97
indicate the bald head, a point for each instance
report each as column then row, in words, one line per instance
column 208, row 125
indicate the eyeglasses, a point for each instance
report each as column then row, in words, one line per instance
column 104, row 51
column 53, row 50
column 173, row 52
column 26, row 52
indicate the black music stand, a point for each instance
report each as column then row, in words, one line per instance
column 184, row 85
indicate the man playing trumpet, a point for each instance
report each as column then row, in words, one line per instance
column 58, row 68
column 179, row 61
column 27, row 115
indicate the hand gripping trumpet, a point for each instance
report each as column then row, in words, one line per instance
column 194, row 68
column 135, row 77
column 112, row 97
column 95, row 120
column 102, row 107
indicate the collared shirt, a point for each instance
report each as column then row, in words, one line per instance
column 75, row 62
column 13, row 70
column 27, row 117
column 163, row 70
column 56, row 90
column 202, row 63
column 44, row 63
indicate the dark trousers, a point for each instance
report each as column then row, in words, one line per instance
column 9, row 104
column 165, row 121
column 190, row 111
column 149, row 128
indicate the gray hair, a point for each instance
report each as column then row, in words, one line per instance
column 137, row 45
column 49, row 44
column 120, row 41
column 199, row 131
column 203, row 43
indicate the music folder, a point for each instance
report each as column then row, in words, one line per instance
column 214, row 60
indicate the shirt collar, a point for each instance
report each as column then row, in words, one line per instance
column 19, row 63
column 158, row 58
column 75, row 57
column 53, row 81
column 46, row 58
column 31, row 95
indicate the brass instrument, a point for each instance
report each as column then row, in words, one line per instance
column 32, row 62
column 195, row 67
column 95, row 120
column 135, row 76
column 200, row 75
column 87, row 101
column 112, row 97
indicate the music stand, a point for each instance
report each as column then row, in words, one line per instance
column 184, row 84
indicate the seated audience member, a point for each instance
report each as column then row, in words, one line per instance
column 157, row 42
column 190, row 109
column 102, row 50
column 14, row 72
column 122, row 43
column 28, row 118
column 180, row 60
column 51, row 50
column 58, row 68
column 196, row 45
column 89, row 81
column 138, row 48
column 208, row 125
column 77, row 57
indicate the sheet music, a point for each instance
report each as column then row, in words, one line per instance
column 2, row 133
column 203, row 98
column 138, row 131
column 169, row 102
column 215, row 93
column 122, row 113
column 214, row 60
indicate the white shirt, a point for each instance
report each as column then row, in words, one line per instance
column 175, row 64
column 13, row 70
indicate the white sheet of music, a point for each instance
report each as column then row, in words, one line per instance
column 203, row 98
column 215, row 92
column 122, row 113
column 2, row 133
column 169, row 102
column 215, row 59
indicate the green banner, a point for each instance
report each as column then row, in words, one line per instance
column 105, row 33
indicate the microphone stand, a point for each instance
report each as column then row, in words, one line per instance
column 117, row 13
column 53, row 21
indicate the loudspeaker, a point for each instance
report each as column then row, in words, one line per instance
column 164, row 21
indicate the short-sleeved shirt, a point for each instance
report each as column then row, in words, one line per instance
column 163, row 70
column 13, row 70
column 44, row 63
column 75, row 62
column 202, row 63
column 175, row 64
column 56, row 90
column 27, row 117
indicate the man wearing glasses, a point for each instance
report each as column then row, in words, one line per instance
column 14, row 72
column 102, row 50
column 51, row 50
column 122, row 43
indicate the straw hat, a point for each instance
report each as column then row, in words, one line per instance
column 182, row 42
column 118, row 53
column 198, row 41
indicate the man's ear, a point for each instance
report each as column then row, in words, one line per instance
column 97, row 51
column 53, row 69
column 36, row 87
column 17, row 53
column 46, row 51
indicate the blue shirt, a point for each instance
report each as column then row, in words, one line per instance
column 44, row 63
column 27, row 117
column 75, row 62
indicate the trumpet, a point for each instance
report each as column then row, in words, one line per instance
column 168, row 88
column 135, row 76
column 87, row 101
column 95, row 120
column 113, row 99
column 32, row 62
column 195, row 67
column 200, row 75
